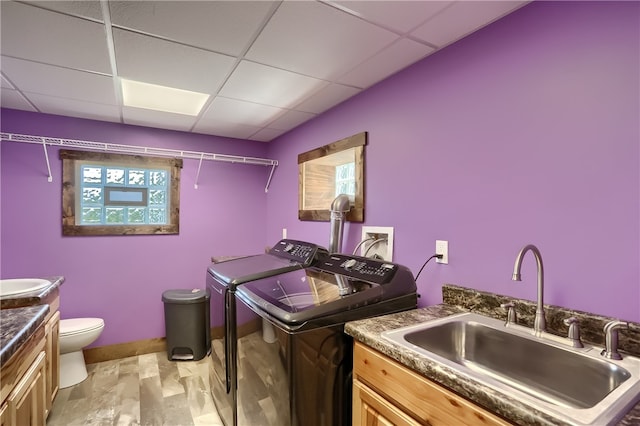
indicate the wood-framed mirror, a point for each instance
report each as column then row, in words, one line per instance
column 326, row 172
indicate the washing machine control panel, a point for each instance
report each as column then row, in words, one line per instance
column 297, row 251
column 361, row 268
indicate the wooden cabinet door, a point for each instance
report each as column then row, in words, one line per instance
column 419, row 397
column 371, row 409
column 53, row 358
column 4, row 415
column 27, row 402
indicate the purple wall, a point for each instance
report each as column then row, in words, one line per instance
column 524, row 132
column 121, row 279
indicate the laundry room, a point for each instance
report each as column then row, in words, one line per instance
column 481, row 134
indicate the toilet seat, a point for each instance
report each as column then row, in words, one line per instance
column 70, row 327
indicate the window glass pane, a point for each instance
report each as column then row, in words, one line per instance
column 157, row 197
column 158, row 178
column 114, row 215
column 91, row 195
column 91, row 215
column 115, row 176
column 91, row 174
column 157, row 215
column 136, row 177
column 135, row 214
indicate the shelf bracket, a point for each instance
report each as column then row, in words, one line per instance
column 273, row 168
column 46, row 157
column 195, row 185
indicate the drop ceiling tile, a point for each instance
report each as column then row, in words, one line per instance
column 400, row 16
column 270, row 86
column 222, row 26
column 5, row 83
column 60, row 82
column 83, row 8
column 266, row 134
column 397, row 56
column 461, row 19
column 39, row 35
column 326, row 98
column 317, row 40
column 158, row 119
column 151, row 60
column 236, row 111
column 290, row 119
column 74, row 108
column 225, row 128
column 14, row 100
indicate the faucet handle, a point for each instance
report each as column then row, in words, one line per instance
column 512, row 317
column 574, row 331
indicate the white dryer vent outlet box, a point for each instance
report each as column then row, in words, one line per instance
column 378, row 242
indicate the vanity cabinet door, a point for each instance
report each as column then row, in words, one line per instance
column 53, row 358
column 27, row 402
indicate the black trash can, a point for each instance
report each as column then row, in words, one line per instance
column 187, row 324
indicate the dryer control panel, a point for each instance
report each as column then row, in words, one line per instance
column 297, row 251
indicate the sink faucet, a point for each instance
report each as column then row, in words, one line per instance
column 611, row 339
column 539, row 323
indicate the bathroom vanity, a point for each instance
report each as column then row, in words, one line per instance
column 23, row 388
column 49, row 298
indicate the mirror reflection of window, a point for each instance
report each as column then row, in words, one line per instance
column 346, row 180
column 328, row 171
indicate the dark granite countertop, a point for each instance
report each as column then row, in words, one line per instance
column 16, row 326
column 368, row 331
column 34, row 297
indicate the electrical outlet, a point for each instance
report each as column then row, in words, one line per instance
column 442, row 247
column 378, row 242
column 284, row 233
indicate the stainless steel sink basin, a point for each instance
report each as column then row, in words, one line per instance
column 579, row 386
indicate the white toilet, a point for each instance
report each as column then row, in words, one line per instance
column 75, row 334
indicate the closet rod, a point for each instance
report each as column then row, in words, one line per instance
column 133, row 149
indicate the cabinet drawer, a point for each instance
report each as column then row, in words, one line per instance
column 424, row 400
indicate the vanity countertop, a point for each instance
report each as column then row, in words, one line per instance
column 16, row 326
column 368, row 331
column 37, row 297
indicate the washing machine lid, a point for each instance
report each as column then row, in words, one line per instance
column 307, row 294
column 239, row 271
column 286, row 255
column 79, row 325
column 313, row 293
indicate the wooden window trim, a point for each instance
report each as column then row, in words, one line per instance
column 71, row 157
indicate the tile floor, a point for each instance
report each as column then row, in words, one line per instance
column 141, row 390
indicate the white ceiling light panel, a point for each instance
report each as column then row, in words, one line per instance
column 161, row 98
